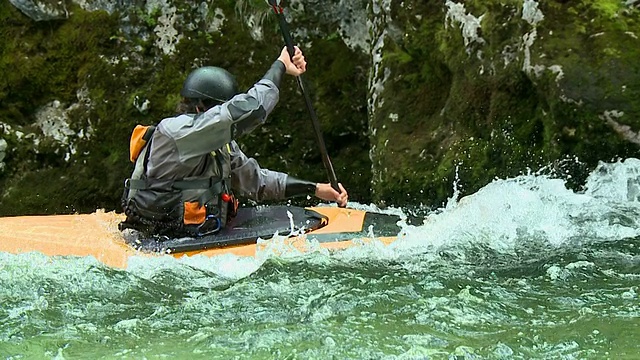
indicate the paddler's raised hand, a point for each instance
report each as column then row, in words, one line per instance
column 295, row 65
column 327, row 192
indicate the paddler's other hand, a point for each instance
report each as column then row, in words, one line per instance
column 294, row 66
column 326, row 192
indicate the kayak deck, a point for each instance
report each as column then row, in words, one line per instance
column 249, row 225
column 97, row 235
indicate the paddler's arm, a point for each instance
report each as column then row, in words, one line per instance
column 250, row 180
column 298, row 187
column 211, row 130
column 249, row 113
column 244, row 112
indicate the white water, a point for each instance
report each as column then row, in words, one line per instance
column 524, row 268
column 500, row 216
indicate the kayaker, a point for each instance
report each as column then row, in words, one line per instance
column 189, row 169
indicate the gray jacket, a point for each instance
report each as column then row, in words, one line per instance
column 182, row 146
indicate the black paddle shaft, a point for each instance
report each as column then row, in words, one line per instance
column 284, row 28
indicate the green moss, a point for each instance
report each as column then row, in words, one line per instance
column 606, row 9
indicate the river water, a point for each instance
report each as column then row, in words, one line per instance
column 522, row 269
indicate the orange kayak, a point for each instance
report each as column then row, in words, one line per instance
column 97, row 235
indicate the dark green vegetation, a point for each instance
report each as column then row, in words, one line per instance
column 495, row 107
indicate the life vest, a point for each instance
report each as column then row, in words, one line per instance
column 167, row 207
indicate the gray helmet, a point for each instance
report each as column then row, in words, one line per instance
column 210, row 82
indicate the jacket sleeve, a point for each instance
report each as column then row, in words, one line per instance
column 198, row 135
column 248, row 179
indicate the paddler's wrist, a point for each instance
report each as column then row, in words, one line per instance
column 276, row 72
column 297, row 187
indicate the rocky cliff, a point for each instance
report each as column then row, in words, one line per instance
column 411, row 95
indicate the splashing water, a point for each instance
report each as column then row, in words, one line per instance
column 522, row 269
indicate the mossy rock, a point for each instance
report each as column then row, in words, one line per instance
column 478, row 111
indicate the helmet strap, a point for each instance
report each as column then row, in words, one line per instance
column 206, row 104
